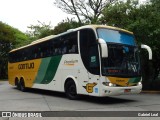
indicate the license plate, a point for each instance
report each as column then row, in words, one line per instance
column 127, row 90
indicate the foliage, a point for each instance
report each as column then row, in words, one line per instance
column 9, row 38
column 90, row 10
column 39, row 30
column 65, row 25
column 42, row 30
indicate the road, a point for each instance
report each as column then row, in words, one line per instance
column 12, row 99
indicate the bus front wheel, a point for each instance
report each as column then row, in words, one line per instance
column 70, row 90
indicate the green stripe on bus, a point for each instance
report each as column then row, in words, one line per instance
column 134, row 80
column 42, row 69
column 51, row 70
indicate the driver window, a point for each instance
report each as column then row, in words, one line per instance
column 89, row 50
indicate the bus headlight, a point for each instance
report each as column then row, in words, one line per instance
column 109, row 84
column 139, row 83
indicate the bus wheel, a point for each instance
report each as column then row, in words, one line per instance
column 17, row 84
column 22, row 85
column 70, row 90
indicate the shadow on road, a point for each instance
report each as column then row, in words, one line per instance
column 90, row 99
column 107, row 100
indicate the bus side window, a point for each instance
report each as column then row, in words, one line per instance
column 73, row 49
column 65, row 46
column 17, row 57
column 57, row 45
column 36, row 52
column 50, row 48
column 73, row 44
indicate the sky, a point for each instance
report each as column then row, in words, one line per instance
column 22, row 13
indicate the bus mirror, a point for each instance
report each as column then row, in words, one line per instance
column 148, row 49
column 103, row 47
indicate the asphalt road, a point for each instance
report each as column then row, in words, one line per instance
column 12, row 99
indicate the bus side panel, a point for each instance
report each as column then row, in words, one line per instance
column 71, row 67
column 11, row 73
column 47, row 77
column 66, row 67
column 26, row 70
column 51, row 73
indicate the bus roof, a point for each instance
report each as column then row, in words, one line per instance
column 104, row 26
column 71, row 30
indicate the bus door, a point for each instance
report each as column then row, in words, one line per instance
column 94, row 70
column 90, row 59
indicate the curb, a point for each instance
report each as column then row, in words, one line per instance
column 151, row 92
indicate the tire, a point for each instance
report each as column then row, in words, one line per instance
column 22, row 85
column 17, row 84
column 70, row 90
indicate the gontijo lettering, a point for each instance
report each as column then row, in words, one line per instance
column 26, row 66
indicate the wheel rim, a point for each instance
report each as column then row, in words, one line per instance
column 72, row 90
column 22, row 86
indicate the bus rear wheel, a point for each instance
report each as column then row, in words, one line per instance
column 70, row 90
column 17, row 84
column 22, row 85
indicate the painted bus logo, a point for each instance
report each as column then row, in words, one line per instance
column 71, row 62
column 89, row 87
column 26, row 66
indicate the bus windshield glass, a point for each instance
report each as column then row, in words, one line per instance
column 123, row 57
column 113, row 36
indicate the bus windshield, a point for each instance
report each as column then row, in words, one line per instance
column 123, row 57
column 113, row 36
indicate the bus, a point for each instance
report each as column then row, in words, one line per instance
column 94, row 60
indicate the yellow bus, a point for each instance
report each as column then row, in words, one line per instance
column 95, row 60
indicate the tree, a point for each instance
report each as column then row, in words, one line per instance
column 65, row 25
column 90, row 10
column 9, row 39
column 39, row 30
column 143, row 21
column 119, row 14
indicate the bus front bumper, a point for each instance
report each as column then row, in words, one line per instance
column 112, row 91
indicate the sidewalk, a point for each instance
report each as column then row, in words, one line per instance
column 151, row 91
